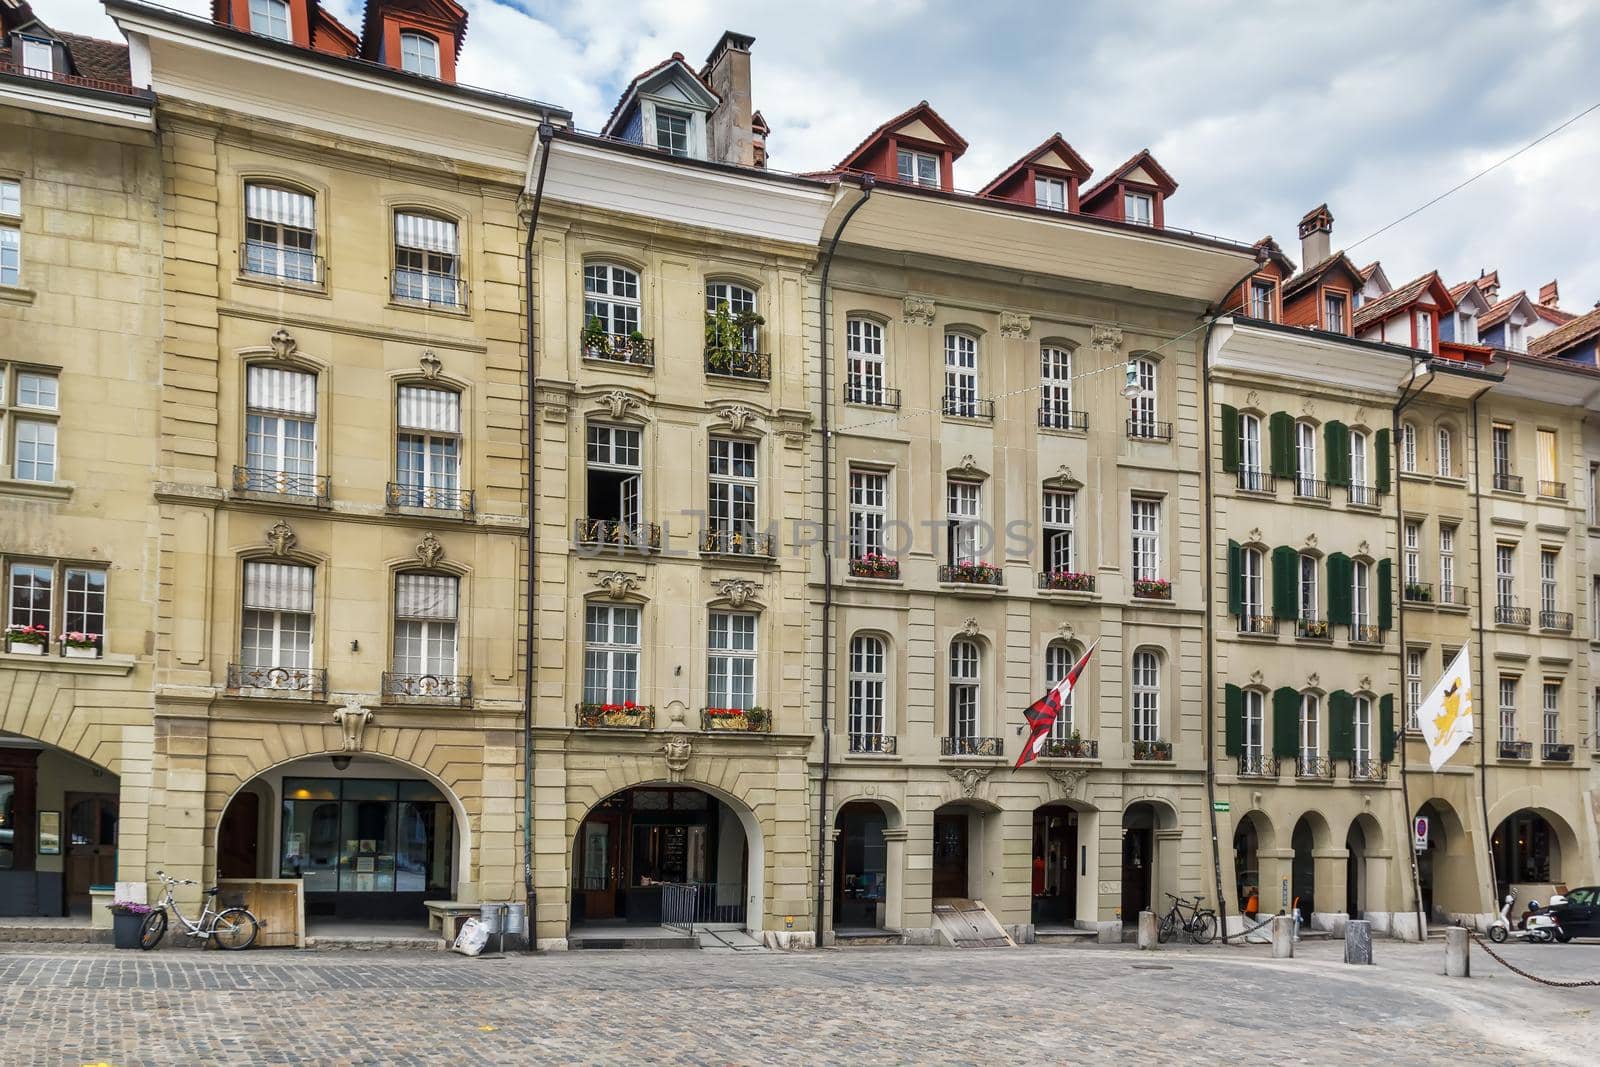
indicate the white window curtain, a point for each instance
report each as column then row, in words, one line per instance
column 278, row 587
column 425, row 596
column 422, row 408
column 285, row 207
column 426, row 233
column 280, row 389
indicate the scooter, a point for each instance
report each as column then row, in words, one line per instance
column 1538, row 926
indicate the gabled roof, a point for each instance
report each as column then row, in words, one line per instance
column 1374, row 273
column 1469, row 292
column 324, row 20
column 1565, row 336
column 758, row 123
column 1056, row 144
column 1502, row 311
column 919, row 111
column 631, row 91
column 1269, row 248
column 443, row 10
column 87, row 57
column 1555, row 315
column 1397, row 300
column 1317, row 270
column 1142, row 159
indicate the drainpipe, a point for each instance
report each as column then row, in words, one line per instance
column 867, row 183
column 546, row 141
column 1483, row 666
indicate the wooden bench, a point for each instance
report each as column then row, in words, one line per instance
column 446, row 916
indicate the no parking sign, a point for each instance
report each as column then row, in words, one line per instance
column 1419, row 833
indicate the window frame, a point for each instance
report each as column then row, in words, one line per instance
column 961, row 374
column 731, row 667
column 266, row 14
column 430, row 634
column 667, row 117
column 1049, row 185
column 725, row 506
column 275, row 250
column 964, row 663
column 287, row 630
column 606, row 297
column 962, row 524
column 1145, row 563
column 868, row 518
column 1335, row 311
column 1260, row 296
column 1055, row 385
column 866, row 369
column 1144, row 409
column 1144, row 695
column 1254, row 722
column 1058, row 520
column 866, row 690
column 423, row 62
column 1059, row 656
column 1309, row 588
column 1138, row 207
column 442, row 452
column 1507, row 692
column 1444, row 452
column 612, row 665
column 1413, row 681
column 1408, row 448
column 1550, row 707
column 10, row 232
column 914, row 175
column 420, row 272
column 1309, row 724
column 44, row 421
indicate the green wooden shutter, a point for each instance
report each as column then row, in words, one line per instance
column 1336, row 443
column 1285, row 582
column 1386, row 728
column 1285, row 722
column 1235, row 578
column 1233, row 724
column 1230, row 438
column 1385, row 594
column 1341, row 725
column 1382, row 475
column 1339, row 592
column 1281, row 429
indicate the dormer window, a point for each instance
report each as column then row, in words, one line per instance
column 1261, row 300
column 1424, row 331
column 1467, row 330
column 1138, row 208
column 419, row 54
column 1050, row 193
column 270, row 18
column 1333, row 312
column 672, row 132
column 1514, row 339
column 38, row 58
column 918, row 168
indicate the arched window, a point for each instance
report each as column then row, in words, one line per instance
column 1361, row 491
column 1142, row 409
column 1446, row 460
column 964, row 691
column 1252, row 477
column 419, row 54
column 270, row 18
column 961, row 375
column 275, row 649
column 1253, row 590
column 866, row 714
column 611, row 302
column 426, row 610
column 1305, row 461
column 611, row 648
column 1146, row 693
column 1055, row 387
column 1362, row 750
column 427, row 260
column 1408, row 448
column 428, row 450
column 280, row 233
column 864, row 367
column 740, row 301
column 1255, row 719
column 1058, row 660
column 280, row 440
column 1360, row 582
column 1310, row 729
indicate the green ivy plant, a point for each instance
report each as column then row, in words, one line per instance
column 725, row 333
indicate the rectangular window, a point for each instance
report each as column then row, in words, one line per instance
column 1059, row 554
column 964, row 683
column 1508, row 708
column 1447, row 564
column 31, row 597
column 611, row 648
column 276, row 618
column 10, row 232
column 1413, row 686
column 1333, row 312
column 280, row 234
column 1261, row 300
column 869, row 511
column 1309, row 604
column 1058, row 661
column 28, row 413
column 1250, row 476
column 1424, row 331
column 868, row 680
column 731, row 661
column 1594, row 494
column 864, row 377
column 960, row 375
column 425, row 607
column 419, row 54
column 1050, row 193
column 1413, row 554
column 1305, row 459
column 1142, row 407
column 963, row 509
column 1055, row 387
column 1552, row 713
column 85, row 609
column 1549, row 591
column 615, row 483
column 1138, row 208
column 1146, row 718
column 1310, row 728
column 917, row 168
column 1549, row 460
column 428, row 447
column 270, row 18
column 1145, row 516
column 280, row 431
column 38, row 58
column 1500, row 445
column 1408, row 448
column 1362, row 749
column 732, row 488
column 427, row 260
column 1254, row 725
column 672, row 132
column 1505, row 583
column 1360, row 583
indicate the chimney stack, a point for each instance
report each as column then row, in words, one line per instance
column 730, row 129
column 1549, row 295
column 1489, row 285
column 1316, row 236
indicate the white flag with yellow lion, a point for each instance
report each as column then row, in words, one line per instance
column 1445, row 718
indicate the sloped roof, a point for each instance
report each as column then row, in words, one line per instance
column 324, row 18
column 1075, row 162
column 372, row 33
column 1141, row 158
column 1401, row 298
column 630, row 90
column 1270, row 248
column 1502, row 310
column 1555, row 315
column 1565, row 336
column 1317, row 270
column 920, row 110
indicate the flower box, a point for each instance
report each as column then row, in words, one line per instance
column 1070, row 581
column 873, row 565
column 1152, row 589
column 27, row 640
column 741, row 720
column 626, row 716
column 971, row 573
column 80, row 651
column 1159, row 751
column 23, row 648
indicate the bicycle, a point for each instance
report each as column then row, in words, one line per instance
column 1200, row 923
column 230, row 928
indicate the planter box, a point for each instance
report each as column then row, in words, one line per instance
column 729, row 722
column 125, row 929
column 80, row 653
column 18, row 648
column 620, row 718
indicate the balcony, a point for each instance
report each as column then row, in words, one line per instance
column 1451, row 595
column 1255, row 480
column 308, row 682
column 873, row 565
column 1363, row 495
column 1258, row 765
column 406, row 688
column 972, row 746
column 736, row 720
column 1553, row 490
column 1368, row 770
column 1152, row 751
column 1363, row 634
column 1149, row 430
column 1418, row 593
column 1070, row 748
column 1056, row 417
column 971, row 573
column 630, row 349
column 1152, row 589
column 422, row 289
column 1507, row 482
column 624, row 716
column 737, row 363
column 456, row 502
column 1310, row 489
column 872, row 744
column 62, row 78
column 1516, row 750
column 868, row 395
column 611, row 535
column 269, row 262
column 1556, row 621
column 1313, row 768
column 1310, row 628
column 311, row 488
column 1066, row 581
column 959, row 406
column 1260, row 625
column 1556, row 753
column 1511, row 615
column 737, row 544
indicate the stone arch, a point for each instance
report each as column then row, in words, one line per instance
column 1564, row 859
column 1447, row 869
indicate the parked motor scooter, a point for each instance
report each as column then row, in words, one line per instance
column 1537, row 926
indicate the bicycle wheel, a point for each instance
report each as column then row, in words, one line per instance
column 1204, row 928
column 1168, row 927
column 153, row 929
column 235, row 928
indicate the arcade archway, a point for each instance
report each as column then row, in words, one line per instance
column 59, row 823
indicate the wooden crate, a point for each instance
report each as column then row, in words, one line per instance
column 279, row 904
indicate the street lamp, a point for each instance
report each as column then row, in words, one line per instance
column 1130, row 387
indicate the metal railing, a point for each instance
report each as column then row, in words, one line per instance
column 434, row 498
column 624, row 716
column 1067, row 581
column 1156, row 751
column 967, row 407
column 879, row 744
column 429, row 290
column 972, row 746
column 1258, row 765
column 748, row 543
column 289, row 681
column 1313, row 768
column 1518, row 750
column 1310, row 488
column 1556, row 620
column 1055, row 417
column 751, row 366
column 1149, row 430
column 874, row 567
column 1553, row 490
column 871, row 396
column 685, row 905
column 1556, row 753
column 1418, row 592
column 1258, row 624
column 1070, row 748
column 970, row 574
column 1256, row 480
column 1367, row 769
column 1363, row 495
column 280, row 263
column 1453, row 595
column 1365, row 634
column 1508, row 482
column 428, row 688
column 316, row 487
column 61, row 78
column 1311, row 628
column 622, row 348
column 624, row 537
column 1511, row 615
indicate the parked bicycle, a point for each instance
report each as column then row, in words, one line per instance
column 1199, row 923
column 230, row 928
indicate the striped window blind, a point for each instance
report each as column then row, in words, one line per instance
column 285, row 207
column 278, row 587
column 281, row 389
column 422, row 408
column 425, row 596
column 425, row 232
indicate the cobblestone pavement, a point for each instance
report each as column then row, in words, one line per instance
column 1098, row 1005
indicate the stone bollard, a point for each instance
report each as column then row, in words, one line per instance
column 1358, row 941
column 1282, row 937
column 1457, row 952
column 1147, row 930
column 1108, row 932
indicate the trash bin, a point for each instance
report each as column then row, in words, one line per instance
column 489, row 915
column 516, row 920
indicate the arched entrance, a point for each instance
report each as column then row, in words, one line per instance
column 1310, row 835
column 652, row 849
column 1528, row 851
column 1446, row 873
column 1251, row 838
column 1058, row 865
column 962, row 847
column 860, row 868
column 59, row 818
column 1363, row 879
column 1147, row 826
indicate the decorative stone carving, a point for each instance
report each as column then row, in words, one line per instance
column 1361, row 416
column 970, row 628
column 1313, row 680
column 619, row 585
column 431, row 364
column 1366, row 683
column 1311, row 540
column 969, row 778
column 678, row 752
column 283, row 344
column 1309, row 407
column 281, row 538
column 737, row 417
column 1255, row 535
column 793, row 429
column 1363, row 549
column 1064, row 631
column 1015, row 324
column 1105, row 337
column 430, row 551
column 618, row 403
column 1067, row 778
column 1257, row 678
column 736, row 591
column 1252, row 399
column 917, row 310
column 352, row 720
column 969, row 465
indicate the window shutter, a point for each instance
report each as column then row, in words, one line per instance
column 1339, row 592
column 1341, row 725
column 1386, row 728
column 1233, row 728
column 1385, row 594
column 1235, row 578
column 1281, row 430
column 422, row 408
column 1285, row 582
column 1336, row 446
column 425, row 596
column 1285, row 722
column 278, row 587
column 1382, row 475
column 1230, row 438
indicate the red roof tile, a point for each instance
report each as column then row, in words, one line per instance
column 1142, row 157
column 1398, row 299
column 1317, row 270
column 1499, row 312
column 1580, row 329
column 921, row 109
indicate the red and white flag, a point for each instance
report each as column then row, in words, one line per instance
column 1042, row 714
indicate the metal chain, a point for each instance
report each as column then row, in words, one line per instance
column 1533, row 977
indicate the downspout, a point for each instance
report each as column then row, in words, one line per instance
column 1483, row 666
column 546, row 139
column 867, row 183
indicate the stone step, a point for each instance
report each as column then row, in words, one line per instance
column 25, row 933
column 865, row 940
column 381, row 944
column 622, row 941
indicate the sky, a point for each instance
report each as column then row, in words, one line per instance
column 1259, row 110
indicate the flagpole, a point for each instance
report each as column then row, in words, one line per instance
column 1407, row 396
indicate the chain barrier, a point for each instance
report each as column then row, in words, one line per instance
column 1533, row 977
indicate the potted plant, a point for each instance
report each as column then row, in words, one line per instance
column 638, row 345
column 75, row 644
column 1152, row 588
column 27, row 640
column 757, row 718
column 127, row 919
column 1418, row 592
column 874, row 565
column 595, row 340
column 1071, row 581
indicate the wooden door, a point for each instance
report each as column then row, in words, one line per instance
column 950, row 855
column 238, row 838
column 91, row 845
column 1138, row 865
column 599, row 852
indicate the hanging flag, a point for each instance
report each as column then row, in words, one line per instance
column 1042, row 713
column 1445, row 717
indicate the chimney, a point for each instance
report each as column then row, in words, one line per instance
column 1549, row 295
column 729, row 129
column 1489, row 283
column 1316, row 236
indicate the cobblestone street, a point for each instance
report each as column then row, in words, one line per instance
column 93, row 1005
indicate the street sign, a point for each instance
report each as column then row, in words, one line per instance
column 1219, row 805
column 1419, row 833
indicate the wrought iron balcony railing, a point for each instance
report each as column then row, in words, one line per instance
column 1553, row 490
column 872, row 396
column 1264, row 625
column 611, row 535
column 1149, row 430
column 1418, row 592
column 1365, row 634
column 1067, row 581
column 1256, row 480
column 1313, row 768
column 278, row 263
column 751, row 366
column 1056, row 417
column 877, row 744
column 1559, row 621
column 433, row 498
column 1511, row 615
column 1557, row 753
column 279, row 681
column 1367, row 769
column 748, row 544
column 1363, row 495
column 972, row 746
column 1310, row 488
column 1070, row 748
column 1518, row 750
column 1311, row 628
column 624, row 716
column 1452, row 595
column 873, row 565
column 633, row 350
column 971, row 574
column 405, row 687
column 1153, row 751
column 1258, row 765
column 960, row 406
column 736, row 720
column 313, row 487
column 1508, row 482
column 429, row 290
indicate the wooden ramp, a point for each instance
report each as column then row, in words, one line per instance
column 968, row 924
